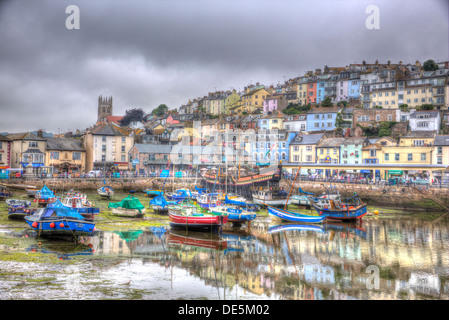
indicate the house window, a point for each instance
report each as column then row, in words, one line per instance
column 309, row 158
column 32, row 144
column 54, row 155
column 439, row 160
column 103, row 138
column 387, row 157
column 123, row 139
column 309, row 148
column 372, row 153
column 76, row 155
column 410, row 157
column 123, row 148
column 123, row 158
column 423, row 157
column 103, row 148
column 103, row 157
column 439, row 150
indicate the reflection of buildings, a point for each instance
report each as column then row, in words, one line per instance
column 297, row 264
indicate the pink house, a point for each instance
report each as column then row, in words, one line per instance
column 170, row 120
column 274, row 102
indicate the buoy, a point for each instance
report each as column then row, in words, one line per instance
column 376, row 212
column 35, row 224
column 52, row 225
column 61, row 225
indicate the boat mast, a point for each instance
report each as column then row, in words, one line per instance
column 293, row 183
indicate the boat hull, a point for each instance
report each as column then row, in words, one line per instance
column 346, row 215
column 293, row 217
column 20, row 213
column 280, row 202
column 129, row 213
column 198, row 223
column 60, row 226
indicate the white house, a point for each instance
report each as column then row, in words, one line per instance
column 425, row 121
column 296, row 123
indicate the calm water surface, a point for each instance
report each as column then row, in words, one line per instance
column 383, row 258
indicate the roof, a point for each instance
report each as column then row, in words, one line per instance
column 109, row 129
column 115, row 119
column 330, row 142
column 441, row 141
column 64, row 144
column 24, row 136
column 307, row 139
column 153, row 148
column 419, row 134
column 432, row 113
column 324, row 110
column 354, row 140
column 4, row 138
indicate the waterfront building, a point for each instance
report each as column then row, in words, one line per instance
column 441, row 150
column 351, row 150
column 107, row 146
column 28, row 150
column 5, row 154
column 303, row 148
column 270, row 146
column 328, row 150
column 322, row 119
column 65, row 155
column 149, row 158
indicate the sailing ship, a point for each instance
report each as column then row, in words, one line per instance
column 19, row 209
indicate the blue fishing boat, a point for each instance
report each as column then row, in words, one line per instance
column 57, row 220
column 293, row 216
column 287, row 227
column 153, row 193
column 245, row 205
column 79, row 202
column 302, row 198
column 160, row 205
column 19, row 209
column 351, row 209
column 179, row 195
column 208, row 200
column 234, row 214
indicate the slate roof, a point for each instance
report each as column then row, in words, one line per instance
column 109, row 129
column 153, row 148
column 307, row 139
column 441, row 141
column 432, row 113
column 65, row 144
column 24, row 136
column 330, row 142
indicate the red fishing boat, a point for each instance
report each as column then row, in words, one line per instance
column 189, row 218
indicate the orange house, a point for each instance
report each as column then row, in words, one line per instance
column 311, row 92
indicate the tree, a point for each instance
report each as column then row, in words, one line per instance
column 327, row 102
column 160, row 110
column 342, row 102
column 132, row 115
column 425, row 107
column 430, row 65
column 403, row 107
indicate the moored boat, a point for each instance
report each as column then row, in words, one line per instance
column 5, row 193
column 208, row 200
column 273, row 196
column 106, row 192
column 351, row 209
column 128, row 207
column 31, row 191
column 44, row 196
column 153, row 193
column 79, row 202
column 160, row 205
column 234, row 214
column 179, row 195
column 56, row 220
column 293, row 216
column 19, row 209
column 190, row 218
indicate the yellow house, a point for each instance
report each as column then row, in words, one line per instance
column 253, row 98
column 328, row 150
column 66, row 155
column 413, row 148
column 232, row 101
column 441, row 150
column 301, row 89
column 302, row 148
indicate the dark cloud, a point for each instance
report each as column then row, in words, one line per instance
column 144, row 53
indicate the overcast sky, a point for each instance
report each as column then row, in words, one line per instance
column 144, row 53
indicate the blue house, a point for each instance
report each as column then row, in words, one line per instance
column 320, row 91
column 322, row 119
column 354, row 85
column 271, row 146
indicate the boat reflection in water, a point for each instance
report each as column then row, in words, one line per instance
column 205, row 240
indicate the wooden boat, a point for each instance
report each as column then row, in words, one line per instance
column 302, row 198
column 31, row 191
column 322, row 201
column 44, row 197
column 153, row 193
column 189, row 218
column 56, row 220
column 5, row 193
column 242, row 203
column 350, row 210
column 299, row 227
column 79, row 202
column 273, row 196
column 128, row 207
column 19, row 209
column 234, row 214
column 106, row 192
column 293, row 216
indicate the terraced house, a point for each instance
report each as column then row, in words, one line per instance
column 328, row 150
column 28, row 149
column 66, row 155
column 322, row 119
column 303, row 148
column 441, row 150
column 351, row 150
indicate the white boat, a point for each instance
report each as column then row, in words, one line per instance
column 272, row 197
column 208, row 200
column 106, row 191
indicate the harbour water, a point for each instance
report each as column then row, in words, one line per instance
column 396, row 255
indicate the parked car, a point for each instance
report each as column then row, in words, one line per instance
column 420, row 181
column 397, row 181
column 94, row 174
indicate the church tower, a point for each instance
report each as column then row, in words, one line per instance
column 104, row 108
